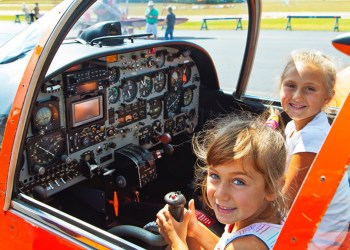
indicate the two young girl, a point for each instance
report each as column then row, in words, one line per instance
column 244, row 163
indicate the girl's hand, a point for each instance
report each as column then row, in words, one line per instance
column 174, row 232
column 193, row 223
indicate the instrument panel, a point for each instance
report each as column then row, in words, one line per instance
column 88, row 117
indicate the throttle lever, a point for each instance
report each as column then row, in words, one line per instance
column 176, row 202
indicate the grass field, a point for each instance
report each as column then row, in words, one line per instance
column 189, row 10
column 273, row 24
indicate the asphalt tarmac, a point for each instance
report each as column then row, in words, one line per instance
column 227, row 47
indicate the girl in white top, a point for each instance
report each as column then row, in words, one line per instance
column 307, row 85
column 241, row 165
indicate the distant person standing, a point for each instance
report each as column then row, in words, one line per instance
column 26, row 12
column 170, row 23
column 36, row 10
column 151, row 19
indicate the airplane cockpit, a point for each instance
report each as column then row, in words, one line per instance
column 115, row 104
column 110, row 129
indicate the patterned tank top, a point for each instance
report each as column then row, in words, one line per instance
column 266, row 232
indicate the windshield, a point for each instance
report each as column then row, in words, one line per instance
column 225, row 23
column 100, row 11
column 14, row 57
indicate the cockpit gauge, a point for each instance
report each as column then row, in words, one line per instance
column 186, row 73
column 43, row 116
column 46, row 116
column 44, row 150
column 145, row 86
column 150, row 61
column 129, row 91
column 160, row 59
column 169, row 126
column 188, row 96
column 175, row 78
column 114, row 74
column 172, row 103
column 113, row 95
column 155, row 108
column 159, row 81
column 156, row 133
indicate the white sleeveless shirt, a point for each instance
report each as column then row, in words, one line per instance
column 266, row 232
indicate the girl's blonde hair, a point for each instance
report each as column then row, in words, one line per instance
column 324, row 62
column 243, row 137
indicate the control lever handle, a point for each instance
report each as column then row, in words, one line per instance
column 168, row 149
column 176, row 202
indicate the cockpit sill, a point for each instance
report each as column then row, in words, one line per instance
column 59, row 223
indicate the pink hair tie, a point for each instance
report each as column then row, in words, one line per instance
column 272, row 121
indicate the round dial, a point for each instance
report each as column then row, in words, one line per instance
column 159, row 81
column 188, row 96
column 113, row 95
column 175, row 79
column 160, row 59
column 157, row 127
column 47, row 149
column 150, row 61
column 186, row 73
column 155, row 108
column 146, row 85
column 144, row 135
column 46, row 117
column 129, row 91
column 169, row 126
column 114, row 74
column 43, row 116
column 172, row 103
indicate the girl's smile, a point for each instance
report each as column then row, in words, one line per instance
column 237, row 193
column 303, row 93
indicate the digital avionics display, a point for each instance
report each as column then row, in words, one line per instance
column 86, row 87
column 87, row 110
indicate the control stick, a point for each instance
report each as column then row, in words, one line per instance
column 176, row 202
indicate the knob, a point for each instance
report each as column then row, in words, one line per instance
column 99, row 149
column 165, row 138
column 40, row 170
column 66, row 159
column 121, row 181
column 176, row 202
